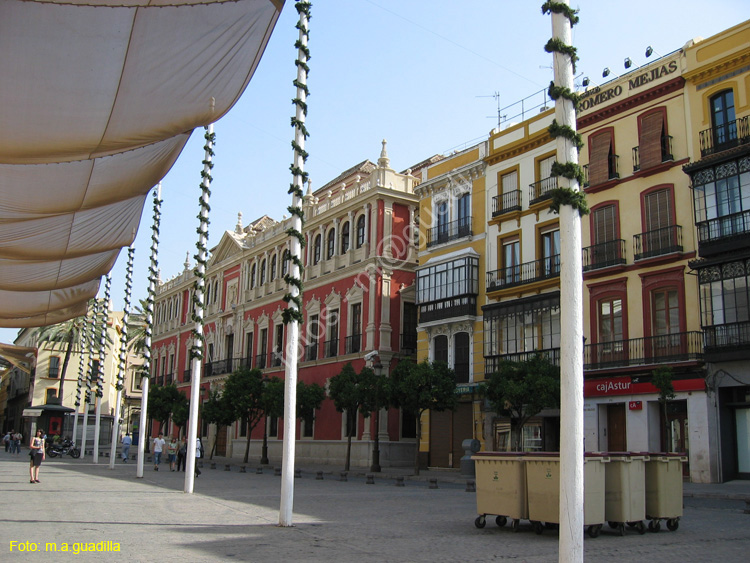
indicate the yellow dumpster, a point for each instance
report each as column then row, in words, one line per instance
column 625, row 491
column 664, row 490
column 500, row 487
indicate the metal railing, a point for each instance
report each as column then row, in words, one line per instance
column 613, row 170
column 603, row 255
column 311, row 352
column 726, row 136
column 187, row 375
column 666, row 152
column 650, row 350
column 409, row 342
column 528, row 272
column 507, row 202
column 331, row 348
column 353, row 344
column 492, row 363
column 728, row 336
column 725, row 227
column 446, row 232
column 260, row 361
column 459, row 306
column 656, row 243
column 541, row 190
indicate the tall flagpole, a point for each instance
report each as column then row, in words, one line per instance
column 570, row 203
column 293, row 314
column 123, row 358
column 100, row 367
column 146, row 368
column 196, row 351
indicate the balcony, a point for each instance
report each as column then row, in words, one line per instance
column 168, row 379
column 276, row 358
column 446, row 232
column 260, row 361
column 723, row 137
column 657, row 243
column 727, row 341
column 666, row 154
column 506, row 203
column 187, row 375
column 651, row 350
column 460, row 306
column 311, row 352
column 409, row 342
column 542, row 190
column 604, row 255
column 612, row 172
column 529, row 272
column 353, row 344
column 492, row 363
column 721, row 230
column 331, row 348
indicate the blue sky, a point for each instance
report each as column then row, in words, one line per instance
column 419, row 73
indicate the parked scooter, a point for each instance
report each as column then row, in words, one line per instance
column 66, row 447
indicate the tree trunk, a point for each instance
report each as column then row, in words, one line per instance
column 419, row 439
column 66, row 360
column 516, row 431
column 667, row 428
column 247, row 445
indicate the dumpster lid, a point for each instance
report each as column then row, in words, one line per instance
column 499, row 454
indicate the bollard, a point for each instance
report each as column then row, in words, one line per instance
column 370, row 479
column 433, row 484
column 399, row 481
column 471, row 486
column 277, row 471
column 259, row 471
column 319, row 476
column 242, row 469
column 747, row 507
column 343, row 475
column 297, row 473
column 227, row 467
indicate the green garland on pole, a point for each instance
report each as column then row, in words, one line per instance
column 560, row 8
column 294, row 313
column 103, row 338
column 122, row 366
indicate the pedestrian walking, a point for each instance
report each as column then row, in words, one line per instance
column 17, row 442
column 182, row 454
column 126, row 442
column 37, row 456
column 6, row 441
column 158, row 447
column 198, row 455
column 172, row 453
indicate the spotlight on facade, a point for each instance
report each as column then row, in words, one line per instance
column 649, row 51
column 605, row 72
column 628, row 62
column 586, row 81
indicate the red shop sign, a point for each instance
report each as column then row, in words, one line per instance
column 635, row 405
column 625, row 386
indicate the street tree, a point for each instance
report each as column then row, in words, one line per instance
column 416, row 388
column 272, row 401
column 243, row 390
column 181, row 413
column 161, row 403
column 661, row 378
column 309, row 398
column 521, row 390
column 217, row 410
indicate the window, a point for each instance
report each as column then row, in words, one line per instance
column 260, row 360
column 286, row 259
column 279, row 348
column 249, row 350
column 461, row 361
column 273, row 427
column 723, row 118
column 333, row 334
column 448, row 290
column 725, row 304
column 511, row 260
column 308, row 424
column 722, row 199
column 331, row 243
column 601, row 158
column 610, row 320
column 652, row 147
column 273, row 267
column 263, row 272
column 606, row 249
column 51, row 395
column 54, row 367
column 551, row 252
column 345, row 238
column 660, row 237
column 409, row 328
column 316, row 249
column 360, row 231
column 313, row 332
column 440, row 348
column 464, row 214
column 666, row 312
column 546, row 182
column 443, row 218
column 252, row 277
column 355, row 338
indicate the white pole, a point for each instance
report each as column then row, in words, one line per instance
column 571, row 320
column 123, row 358
column 100, row 370
column 89, row 377
column 152, row 274
column 81, row 374
column 197, row 348
column 292, row 320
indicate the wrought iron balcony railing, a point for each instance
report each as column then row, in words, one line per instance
column 725, row 136
column 507, row 202
column 492, row 363
column 260, row 361
column 651, row 350
column 613, row 172
column 666, row 153
column 409, row 342
column 657, row 243
column 331, row 348
column 730, row 336
column 446, row 232
column 525, row 273
column 722, row 228
column 311, row 352
column 459, row 306
column 353, row 344
column 603, row 255
column 541, row 190
column 187, row 375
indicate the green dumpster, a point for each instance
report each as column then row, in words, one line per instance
column 500, row 487
column 664, row 490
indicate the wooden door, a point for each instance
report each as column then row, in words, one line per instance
column 616, row 433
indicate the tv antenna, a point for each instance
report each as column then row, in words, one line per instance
column 500, row 116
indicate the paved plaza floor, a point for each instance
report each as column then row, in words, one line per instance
column 233, row 516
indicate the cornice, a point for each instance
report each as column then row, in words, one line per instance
column 521, row 147
column 473, row 171
column 716, row 69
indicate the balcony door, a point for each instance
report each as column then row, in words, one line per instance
column 723, row 117
column 606, row 250
column 551, row 253
column 610, row 337
column 659, row 237
column 666, row 324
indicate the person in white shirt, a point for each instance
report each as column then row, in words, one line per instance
column 126, row 442
column 158, row 447
column 198, row 454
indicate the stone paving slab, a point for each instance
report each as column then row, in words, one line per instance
column 233, row 516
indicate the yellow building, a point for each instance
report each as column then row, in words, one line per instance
column 449, row 293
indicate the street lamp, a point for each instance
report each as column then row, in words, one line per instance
column 264, row 449
column 375, row 467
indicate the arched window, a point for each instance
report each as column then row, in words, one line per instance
column 316, row 250
column 360, row 231
column 263, row 272
column 331, row 245
column 252, row 277
column 286, row 257
column 345, row 238
column 273, row 268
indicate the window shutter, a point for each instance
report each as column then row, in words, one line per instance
column 652, row 130
column 658, row 210
column 599, row 146
column 510, row 182
column 605, row 228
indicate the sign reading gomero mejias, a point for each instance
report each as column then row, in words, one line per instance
column 596, row 96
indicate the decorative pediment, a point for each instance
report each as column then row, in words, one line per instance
column 229, row 246
column 333, row 301
column 277, row 316
column 263, row 321
column 355, row 294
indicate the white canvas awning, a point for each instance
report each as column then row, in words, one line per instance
column 97, row 100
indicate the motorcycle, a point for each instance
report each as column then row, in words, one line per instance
column 66, row 447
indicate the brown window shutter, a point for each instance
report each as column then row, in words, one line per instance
column 652, row 130
column 658, row 210
column 604, row 225
column 599, row 165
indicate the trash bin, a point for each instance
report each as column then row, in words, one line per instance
column 543, row 490
column 664, row 490
column 625, row 491
column 500, row 487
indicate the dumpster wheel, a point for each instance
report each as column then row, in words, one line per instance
column 673, row 524
column 641, row 527
column 501, row 521
column 515, row 525
column 480, row 522
column 594, row 530
column 538, row 527
column 654, row 526
column 621, row 528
